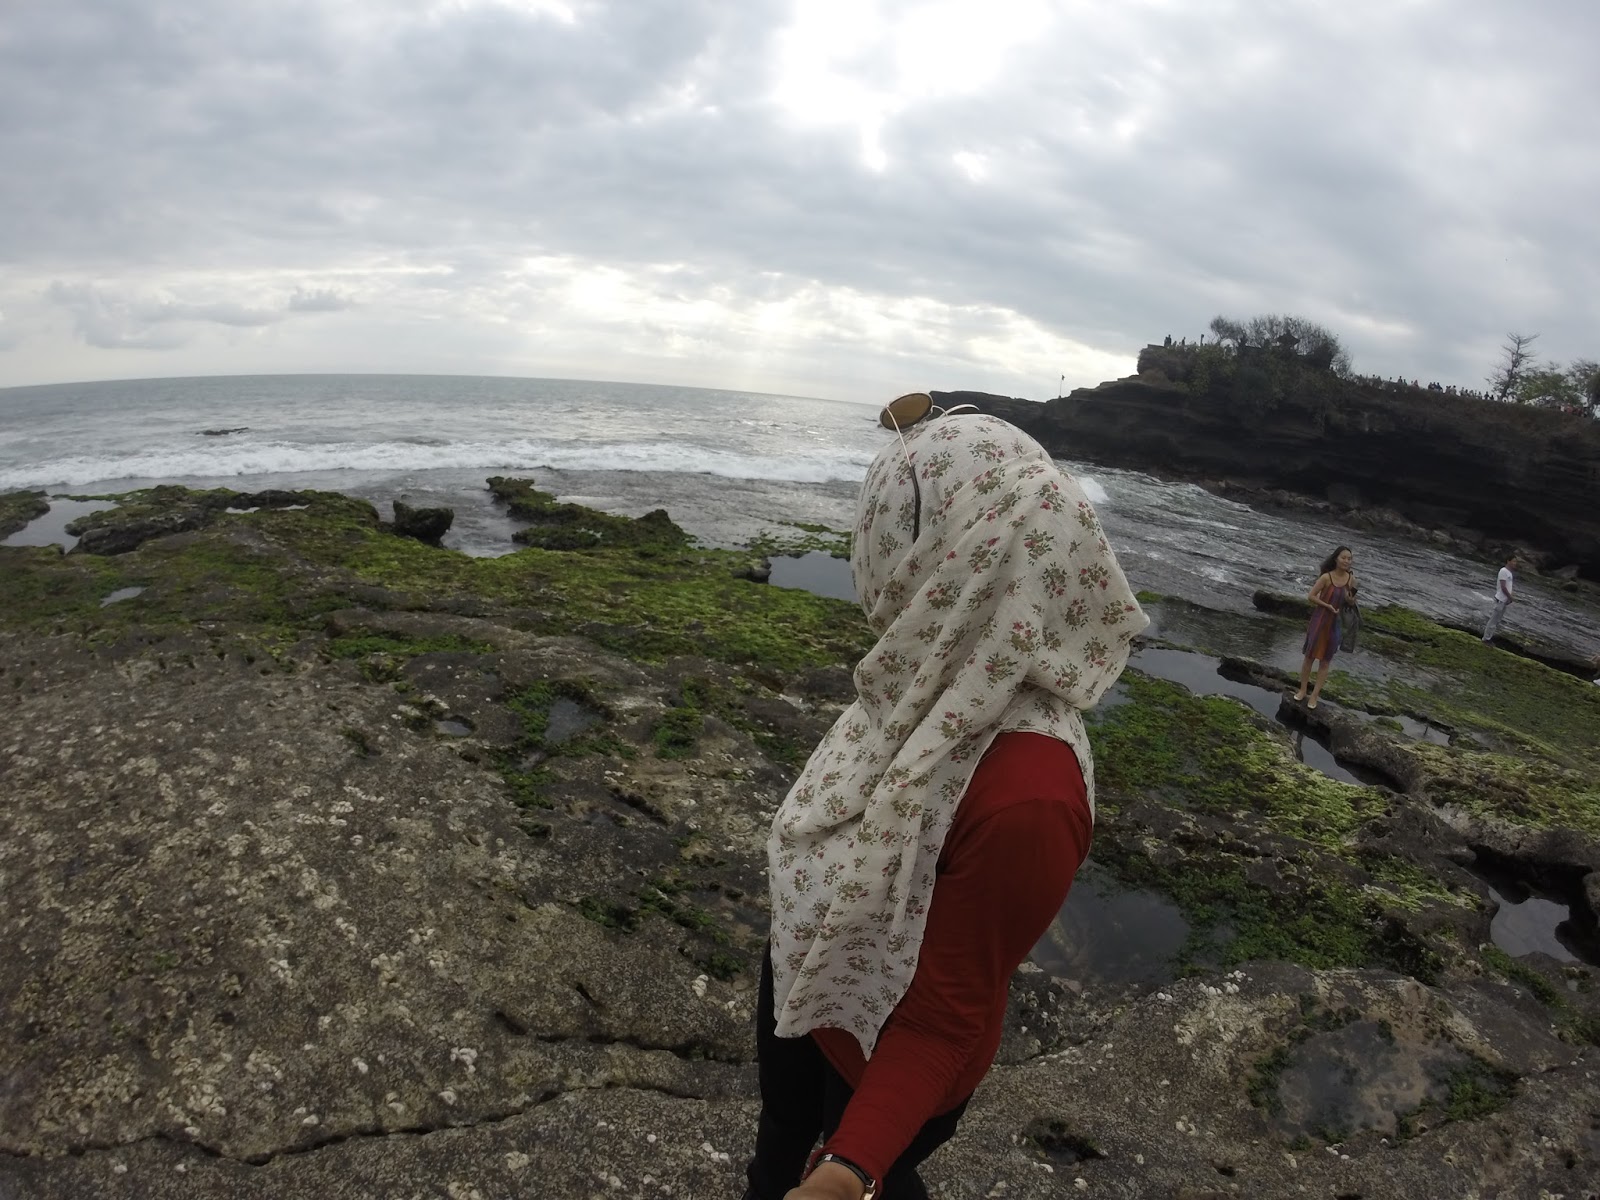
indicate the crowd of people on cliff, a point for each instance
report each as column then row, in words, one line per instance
column 1398, row 384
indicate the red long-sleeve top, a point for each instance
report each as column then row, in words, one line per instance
column 1021, row 831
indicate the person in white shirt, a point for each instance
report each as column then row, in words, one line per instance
column 1505, row 590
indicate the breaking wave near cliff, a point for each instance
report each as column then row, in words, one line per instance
column 1092, row 489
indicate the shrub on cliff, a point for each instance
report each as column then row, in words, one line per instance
column 1315, row 345
column 1257, row 381
column 1573, row 389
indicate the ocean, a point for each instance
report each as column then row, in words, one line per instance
column 725, row 465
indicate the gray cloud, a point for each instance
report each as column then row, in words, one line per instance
column 112, row 323
column 110, row 319
column 1416, row 176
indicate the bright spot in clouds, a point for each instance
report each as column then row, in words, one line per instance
column 974, row 166
column 863, row 62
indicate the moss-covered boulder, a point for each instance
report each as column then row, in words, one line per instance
column 425, row 524
column 553, row 525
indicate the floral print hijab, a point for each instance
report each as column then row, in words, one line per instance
column 998, row 606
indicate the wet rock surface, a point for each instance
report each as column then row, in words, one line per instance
column 391, row 882
column 163, row 511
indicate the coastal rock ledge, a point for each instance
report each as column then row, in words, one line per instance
column 338, row 864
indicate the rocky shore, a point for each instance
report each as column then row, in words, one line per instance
column 338, row 863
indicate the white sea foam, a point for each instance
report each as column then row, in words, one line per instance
column 284, row 458
column 1092, row 489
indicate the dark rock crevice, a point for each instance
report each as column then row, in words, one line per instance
column 327, row 1140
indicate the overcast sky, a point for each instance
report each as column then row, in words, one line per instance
column 840, row 198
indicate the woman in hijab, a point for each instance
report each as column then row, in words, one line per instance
column 934, row 832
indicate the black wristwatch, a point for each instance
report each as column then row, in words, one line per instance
column 867, row 1181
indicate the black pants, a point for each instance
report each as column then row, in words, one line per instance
column 803, row 1099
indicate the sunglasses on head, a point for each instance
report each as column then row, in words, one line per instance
column 901, row 414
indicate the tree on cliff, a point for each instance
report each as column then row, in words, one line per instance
column 1547, row 389
column 1516, row 365
column 1315, row 344
column 1229, row 330
column 1578, row 386
column 1585, row 376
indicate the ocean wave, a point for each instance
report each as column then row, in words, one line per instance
column 283, row 458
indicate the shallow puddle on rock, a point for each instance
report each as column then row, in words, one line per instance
column 121, row 594
column 1318, row 757
column 566, row 720
column 50, row 529
column 1530, row 926
column 451, row 727
column 1526, row 922
column 1240, row 635
column 816, row 572
column 1342, row 1081
column 1200, row 674
column 1110, row 934
column 1418, row 731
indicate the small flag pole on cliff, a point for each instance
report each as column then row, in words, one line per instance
column 1061, row 390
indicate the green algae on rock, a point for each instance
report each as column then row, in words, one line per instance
column 277, row 572
column 1379, row 882
column 1458, row 683
column 1260, row 851
column 805, row 538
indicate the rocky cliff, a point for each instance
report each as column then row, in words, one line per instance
column 1482, row 471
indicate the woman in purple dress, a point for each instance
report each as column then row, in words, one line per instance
column 1335, row 587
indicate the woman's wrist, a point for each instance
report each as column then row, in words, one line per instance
column 834, row 1182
